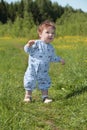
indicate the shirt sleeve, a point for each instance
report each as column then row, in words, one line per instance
column 54, row 57
column 30, row 49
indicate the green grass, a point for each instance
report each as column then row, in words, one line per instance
column 68, row 89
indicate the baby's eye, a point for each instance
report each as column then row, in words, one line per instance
column 50, row 33
column 53, row 33
column 47, row 32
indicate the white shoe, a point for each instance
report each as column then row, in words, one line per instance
column 47, row 100
column 27, row 99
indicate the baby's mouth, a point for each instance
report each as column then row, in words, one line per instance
column 50, row 38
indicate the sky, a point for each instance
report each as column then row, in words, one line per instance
column 76, row 4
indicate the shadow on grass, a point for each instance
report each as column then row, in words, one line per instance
column 76, row 92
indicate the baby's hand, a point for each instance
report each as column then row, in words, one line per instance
column 30, row 42
column 62, row 61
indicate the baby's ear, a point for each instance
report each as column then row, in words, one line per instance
column 40, row 34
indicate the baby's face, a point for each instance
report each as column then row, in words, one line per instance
column 47, row 34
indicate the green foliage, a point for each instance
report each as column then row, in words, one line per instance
column 72, row 24
column 22, row 27
column 3, row 11
column 69, row 88
column 21, row 18
column 68, row 24
column 39, row 9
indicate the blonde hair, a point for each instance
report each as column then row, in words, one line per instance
column 45, row 24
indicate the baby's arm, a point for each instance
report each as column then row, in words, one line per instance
column 62, row 61
column 56, row 58
column 30, row 43
column 28, row 46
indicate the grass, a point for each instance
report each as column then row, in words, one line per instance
column 68, row 89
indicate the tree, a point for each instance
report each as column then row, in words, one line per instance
column 21, row 9
column 3, row 11
column 11, row 12
column 57, row 11
column 45, row 9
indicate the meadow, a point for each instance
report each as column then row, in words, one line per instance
column 68, row 111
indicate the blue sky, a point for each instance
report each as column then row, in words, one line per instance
column 76, row 4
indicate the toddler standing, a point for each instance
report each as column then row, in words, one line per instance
column 41, row 53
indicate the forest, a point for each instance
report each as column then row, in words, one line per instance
column 24, row 17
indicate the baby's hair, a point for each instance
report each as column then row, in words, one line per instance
column 45, row 24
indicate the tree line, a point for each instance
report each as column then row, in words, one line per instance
column 39, row 10
column 20, row 19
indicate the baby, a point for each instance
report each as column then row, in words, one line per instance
column 41, row 53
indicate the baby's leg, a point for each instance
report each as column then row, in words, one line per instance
column 28, row 96
column 45, row 96
column 29, row 85
column 44, row 93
